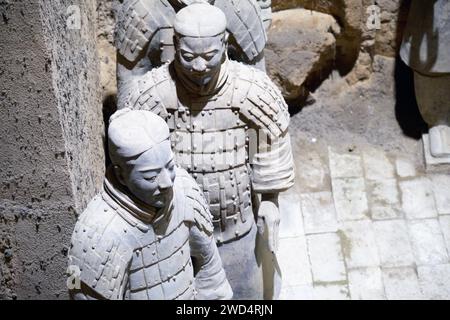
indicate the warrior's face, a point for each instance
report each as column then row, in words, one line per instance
column 150, row 176
column 201, row 57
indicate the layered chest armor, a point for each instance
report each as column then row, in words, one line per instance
column 210, row 141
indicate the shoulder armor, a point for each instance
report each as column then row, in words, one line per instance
column 153, row 91
column 265, row 107
column 246, row 25
column 100, row 251
column 197, row 210
column 138, row 21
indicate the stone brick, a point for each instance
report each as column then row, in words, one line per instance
column 350, row 199
column 366, row 284
column 393, row 243
column 319, row 214
column 428, row 242
column 417, row 199
column 359, row 245
column 327, row 261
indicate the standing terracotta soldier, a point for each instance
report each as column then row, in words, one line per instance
column 426, row 49
column 229, row 127
column 144, row 34
column 136, row 238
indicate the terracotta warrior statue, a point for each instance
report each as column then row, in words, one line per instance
column 136, row 238
column 229, row 126
column 144, row 34
column 426, row 49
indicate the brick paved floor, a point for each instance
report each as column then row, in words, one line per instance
column 364, row 224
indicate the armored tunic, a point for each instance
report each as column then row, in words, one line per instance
column 233, row 140
column 126, row 251
column 145, row 30
column 426, row 42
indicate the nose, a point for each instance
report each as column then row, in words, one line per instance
column 199, row 65
column 164, row 180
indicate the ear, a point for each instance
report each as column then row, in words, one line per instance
column 118, row 171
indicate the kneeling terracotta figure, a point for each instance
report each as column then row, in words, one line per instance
column 148, row 234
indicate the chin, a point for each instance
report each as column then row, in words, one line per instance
column 202, row 81
column 159, row 205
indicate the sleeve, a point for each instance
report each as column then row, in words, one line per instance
column 210, row 280
column 273, row 165
column 270, row 152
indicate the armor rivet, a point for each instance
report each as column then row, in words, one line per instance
column 188, row 112
column 235, row 219
column 246, row 128
column 237, row 233
column 234, row 197
column 173, row 145
column 210, row 112
column 229, row 103
column 203, row 113
column 178, row 126
column 154, row 253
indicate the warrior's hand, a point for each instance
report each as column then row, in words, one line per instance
column 268, row 224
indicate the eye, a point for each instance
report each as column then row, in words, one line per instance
column 210, row 55
column 150, row 179
column 187, row 56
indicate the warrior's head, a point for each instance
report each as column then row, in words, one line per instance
column 200, row 42
column 141, row 154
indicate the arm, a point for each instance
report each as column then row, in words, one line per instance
column 210, row 280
